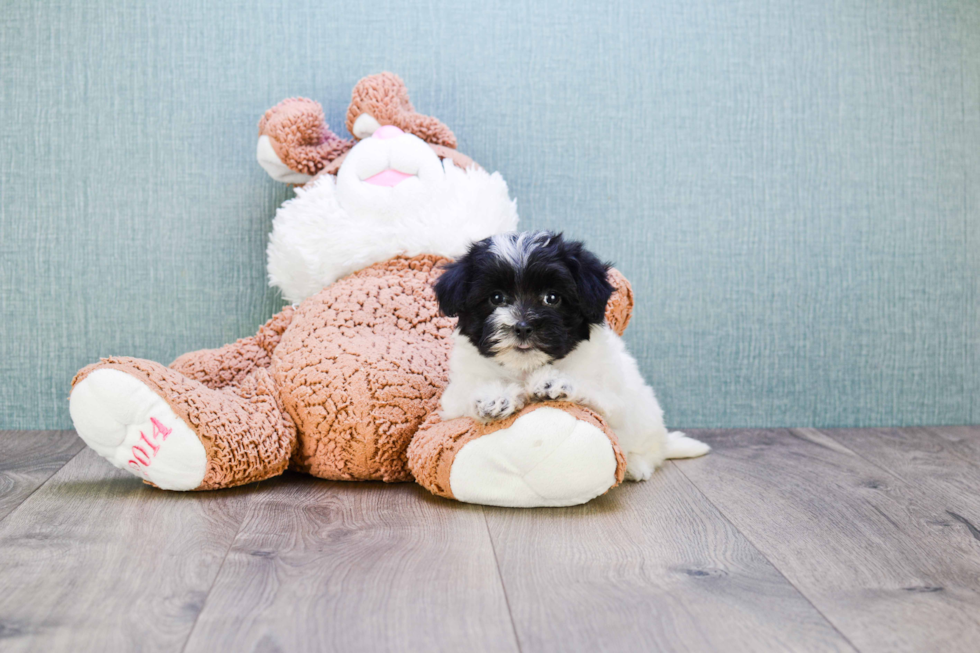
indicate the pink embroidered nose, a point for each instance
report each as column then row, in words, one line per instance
column 388, row 131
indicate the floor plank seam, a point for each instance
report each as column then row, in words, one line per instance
column 46, row 481
column 866, row 459
column 217, row 574
column 766, row 558
column 500, row 576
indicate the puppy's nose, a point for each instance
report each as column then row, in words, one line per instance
column 388, row 131
column 523, row 329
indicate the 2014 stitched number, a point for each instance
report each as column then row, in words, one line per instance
column 143, row 455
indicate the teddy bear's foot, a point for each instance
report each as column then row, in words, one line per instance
column 177, row 433
column 548, row 455
column 132, row 427
column 545, row 458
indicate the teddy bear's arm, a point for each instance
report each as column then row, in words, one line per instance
column 229, row 365
column 619, row 308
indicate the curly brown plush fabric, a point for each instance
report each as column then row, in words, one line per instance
column 247, row 436
column 361, row 366
column 433, row 450
column 619, row 309
column 300, row 137
column 229, row 365
column 385, row 98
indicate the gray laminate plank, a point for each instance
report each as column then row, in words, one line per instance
column 964, row 441
column 96, row 561
column 924, row 458
column 647, row 567
column 28, row 459
column 330, row 566
column 879, row 557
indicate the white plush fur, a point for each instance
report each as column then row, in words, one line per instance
column 598, row 373
column 336, row 226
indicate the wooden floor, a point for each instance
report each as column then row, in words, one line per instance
column 779, row 540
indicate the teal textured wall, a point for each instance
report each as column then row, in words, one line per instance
column 792, row 187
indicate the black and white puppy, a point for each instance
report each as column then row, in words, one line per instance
column 531, row 310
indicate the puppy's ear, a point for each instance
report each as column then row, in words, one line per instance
column 594, row 289
column 451, row 288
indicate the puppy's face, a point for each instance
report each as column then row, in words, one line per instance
column 525, row 299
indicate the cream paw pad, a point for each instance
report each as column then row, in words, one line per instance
column 129, row 425
column 546, row 457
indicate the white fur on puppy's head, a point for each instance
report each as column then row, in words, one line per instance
column 338, row 225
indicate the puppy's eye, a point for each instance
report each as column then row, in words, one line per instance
column 551, row 299
column 498, row 299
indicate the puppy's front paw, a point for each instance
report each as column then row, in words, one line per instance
column 498, row 404
column 550, row 385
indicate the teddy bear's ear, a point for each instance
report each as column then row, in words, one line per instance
column 295, row 142
column 382, row 99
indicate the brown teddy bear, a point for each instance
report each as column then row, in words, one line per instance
column 345, row 383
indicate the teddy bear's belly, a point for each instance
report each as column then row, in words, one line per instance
column 361, row 366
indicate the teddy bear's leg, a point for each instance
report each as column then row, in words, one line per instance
column 549, row 454
column 175, row 432
column 229, row 365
